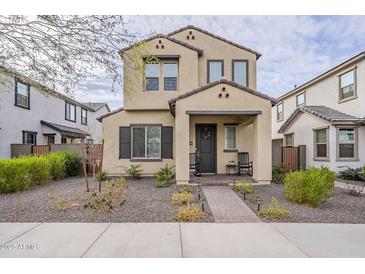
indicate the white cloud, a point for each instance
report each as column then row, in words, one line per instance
column 294, row 48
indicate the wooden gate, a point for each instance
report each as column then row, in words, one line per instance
column 291, row 158
column 40, row 150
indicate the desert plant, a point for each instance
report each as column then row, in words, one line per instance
column 253, row 197
column 312, row 186
column 188, row 214
column 101, row 175
column 182, row 198
column 274, row 210
column 186, row 188
column 355, row 174
column 134, row 172
column 278, row 174
column 164, row 176
column 243, row 187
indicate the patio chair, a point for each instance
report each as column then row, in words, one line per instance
column 244, row 164
column 194, row 164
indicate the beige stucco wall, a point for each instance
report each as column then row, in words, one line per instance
column 218, row 49
column 134, row 95
column 326, row 93
column 112, row 164
column 238, row 100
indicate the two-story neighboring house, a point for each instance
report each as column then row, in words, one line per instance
column 33, row 114
column 197, row 93
column 326, row 115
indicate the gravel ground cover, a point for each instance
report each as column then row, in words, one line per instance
column 340, row 208
column 143, row 203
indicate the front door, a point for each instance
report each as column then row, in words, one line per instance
column 206, row 144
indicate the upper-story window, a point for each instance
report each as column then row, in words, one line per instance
column 152, row 77
column 280, row 112
column 300, row 99
column 215, row 70
column 83, row 116
column 347, row 85
column 22, row 95
column 240, row 72
column 170, row 76
column 70, row 112
column 163, row 74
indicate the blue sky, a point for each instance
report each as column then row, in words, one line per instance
column 294, row 48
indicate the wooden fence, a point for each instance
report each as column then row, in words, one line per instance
column 40, row 150
column 292, row 158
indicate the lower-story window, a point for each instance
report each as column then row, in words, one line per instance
column 321, row 143
column 29, row 137
column 146, row 142
column 289, row 139
column 230, row 137
column 347, row 143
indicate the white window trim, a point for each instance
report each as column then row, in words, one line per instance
column 277, row 113
column 354, row 96
column 225, row 137
column 315, row 157
column 296, row 99
column 356, row 145
column 145, row 142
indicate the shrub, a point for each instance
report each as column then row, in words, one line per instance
column 274, row 210
column 189, row 214
column 243, row 187
column 14, row 175
column 38, row 168
column 182, row 198
column 278, row 174
column 355, row 174
column 72, row 164
column 186, row 188
column 253, row 197
column 101, row 176
column 313, row 186
column 133, row 172
column 57, row 165
column 164, row 176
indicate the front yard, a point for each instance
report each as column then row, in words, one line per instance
column 339, row 208
column 64, row 201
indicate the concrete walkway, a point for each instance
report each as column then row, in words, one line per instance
column 203, row 240
column 227, row 207
column 343, row 185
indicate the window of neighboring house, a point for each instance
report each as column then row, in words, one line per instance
column 280, row 112
column 289, row 139
column 170, row 76
column 22, row 95
column 321, row 143
column 230, row 137
column 50, row 139
column 215, row 70
column 83, row 116
column 70, row 110
column 347, row 143
column 63, row 140
column 240, row 72
column 146, row 142
column 29, row 137
column 152, row 77
column 301, row 99
column 347, row 85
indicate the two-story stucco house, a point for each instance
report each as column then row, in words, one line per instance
column 326, row 114
column 33, row 114
column 198, row 93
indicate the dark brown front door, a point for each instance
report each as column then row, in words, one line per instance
column 206, row 144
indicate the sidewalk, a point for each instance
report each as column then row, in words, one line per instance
column 181, row 240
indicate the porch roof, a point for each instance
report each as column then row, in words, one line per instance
column 65, row 130
column 173, row 101
column 327, row 114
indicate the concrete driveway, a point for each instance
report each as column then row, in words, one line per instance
column 177, row 240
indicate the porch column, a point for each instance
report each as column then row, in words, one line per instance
column 182, row 146
column 262, row 156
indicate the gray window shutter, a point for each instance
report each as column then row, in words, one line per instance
column 124, row 142
column 166, row 141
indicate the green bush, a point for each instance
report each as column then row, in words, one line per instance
column 20, row 173
column 274, row 210
column 133, row 172
column 278, row 174
column 164, row 176
column 243, row 187
column 313, row 186
column 355, row 174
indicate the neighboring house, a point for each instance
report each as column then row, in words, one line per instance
column 326, row 115
column 34, row 114
column 200, row 94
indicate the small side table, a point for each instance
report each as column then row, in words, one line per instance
column 229, row 167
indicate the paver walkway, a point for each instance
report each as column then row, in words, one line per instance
column 227, row 207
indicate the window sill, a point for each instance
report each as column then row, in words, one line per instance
column 347, row 159
column 280, row 120
column 145, row 160
column 230, row 150
column 347, row 99
column 321, row 159
column 70, row 120
column 19, row 106
column 160, row 91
